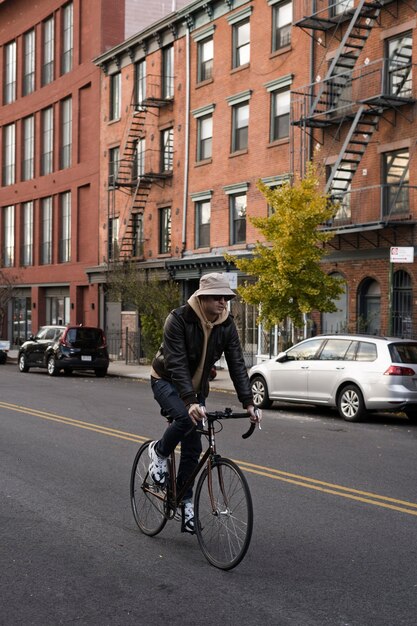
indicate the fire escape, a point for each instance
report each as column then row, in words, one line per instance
column 137, row 170
column 355, row 93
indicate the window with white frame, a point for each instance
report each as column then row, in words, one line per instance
column 113, row 238
column 240, row 126
column 139, row 165
column 204, row 137
column 114, row 160
column 202, row 223
column 168, row 72
column 280, row 114
column 167, row 149
column 46, row 231
column 8, row 236
column 137, row 229
column 237, row 206
column 67, row 38
column 28, row 153
column 47, row 147
column 27, row 243
column 66, row 133
column 9, row 154
column 10, row 72
column 115, row 96
column 48, row 56
column 399, row 67
column 140, row 82
column 165, row 230
column 281, row 25
column 205, row 56
column 29, row 62
column 65, row 228
column 241, row 43
column 338, row 7
column 396, row 190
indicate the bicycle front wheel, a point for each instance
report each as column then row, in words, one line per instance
column 148, row 500
column 223, row 514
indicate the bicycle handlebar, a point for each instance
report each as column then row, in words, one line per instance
column 228, row 414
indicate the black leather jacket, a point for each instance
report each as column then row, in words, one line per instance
column 180, row 353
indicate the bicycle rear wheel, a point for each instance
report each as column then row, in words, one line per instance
column 223, row 514
column 148, row 500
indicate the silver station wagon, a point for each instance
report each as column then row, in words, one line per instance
column 355, row 373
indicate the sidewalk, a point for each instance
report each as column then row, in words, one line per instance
column 142, row 372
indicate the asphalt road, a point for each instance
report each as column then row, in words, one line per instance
column 335, row 535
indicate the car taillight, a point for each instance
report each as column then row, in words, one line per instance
column 64, row 343
column 104, row 344
column 398, row 370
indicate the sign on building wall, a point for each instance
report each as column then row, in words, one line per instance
column 402, row 255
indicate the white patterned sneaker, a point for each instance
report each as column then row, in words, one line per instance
column 188, row 517
column 158, row 467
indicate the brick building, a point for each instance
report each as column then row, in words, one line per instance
column 49, row 155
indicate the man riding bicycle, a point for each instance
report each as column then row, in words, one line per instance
column 195, row 337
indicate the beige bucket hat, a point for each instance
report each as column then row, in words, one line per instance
column 215, row 284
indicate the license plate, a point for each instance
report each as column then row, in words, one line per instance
column 85, row 358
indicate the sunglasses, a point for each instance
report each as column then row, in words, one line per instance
column 219, row 298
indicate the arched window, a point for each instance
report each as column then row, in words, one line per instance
column 337, row 322
column 369, row 307
column 402, row 305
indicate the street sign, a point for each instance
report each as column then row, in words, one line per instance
column 402, row 254
column 232, row 276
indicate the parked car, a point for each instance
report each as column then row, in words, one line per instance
column 4, row 349
column 66, row 348
column 355, row 373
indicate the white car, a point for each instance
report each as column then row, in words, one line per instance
column 355, row 373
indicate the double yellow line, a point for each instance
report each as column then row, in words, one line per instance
column 402, row 506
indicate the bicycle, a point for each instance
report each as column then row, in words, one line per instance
column 223, row 510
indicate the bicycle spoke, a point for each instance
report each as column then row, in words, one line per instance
column 148, row 499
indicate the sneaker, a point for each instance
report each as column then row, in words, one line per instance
column 158, row 467
column 188, row 517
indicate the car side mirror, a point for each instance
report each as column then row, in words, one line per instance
column 282, row 357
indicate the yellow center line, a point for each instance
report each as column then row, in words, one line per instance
column 386, row 502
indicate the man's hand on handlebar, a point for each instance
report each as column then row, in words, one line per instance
column 255, row 415
column 196, row 412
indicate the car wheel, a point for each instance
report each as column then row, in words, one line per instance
column 350, row 404
column 51, row 366
column 412, row 415
column 260, row 393
column 100, row 372
column 23, row 366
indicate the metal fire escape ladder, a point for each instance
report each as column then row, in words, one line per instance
column 352, row 150
column 340, row 69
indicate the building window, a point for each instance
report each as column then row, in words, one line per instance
column 29, row 63
column 28, row 148
column 338, row 7
column 48, row 51
column 115, row 96
column 399, row 68
column 369, row 307
column 140, row 82
column 280, row 114
column 114, row 160
column 205, row 57
column 10, row 70
column 65, row 228
column 241, row 43
column 281, row 25
column 67, row 38
column 9, row 154
column 57, row 310
column 204, row 137
column 165, row 230
column 240, row 126
column 113, row 239
column 238, row 203
column 139, row 162
column 202, row 223
column 168, row 72
column 27, row 244
column 395, row 168
column 66, row 133
column 8, row 234
column 46, row 230
column 402, row 305
column 167, row 150
column 47, row 156
column 137, row 249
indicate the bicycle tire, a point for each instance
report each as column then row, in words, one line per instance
column 223, row 534
column 148, row 500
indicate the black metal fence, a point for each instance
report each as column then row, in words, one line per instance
column 125, row 345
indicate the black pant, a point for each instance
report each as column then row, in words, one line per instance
column 180, row 430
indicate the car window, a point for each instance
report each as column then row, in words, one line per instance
column 41, row 334
column 58, row 333
column 334, row 350
column 91, row 337
column 366, row 351
column 305, row 351
column 50, row 333
column 403, row 352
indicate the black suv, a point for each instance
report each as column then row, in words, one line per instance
column 65, row 348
